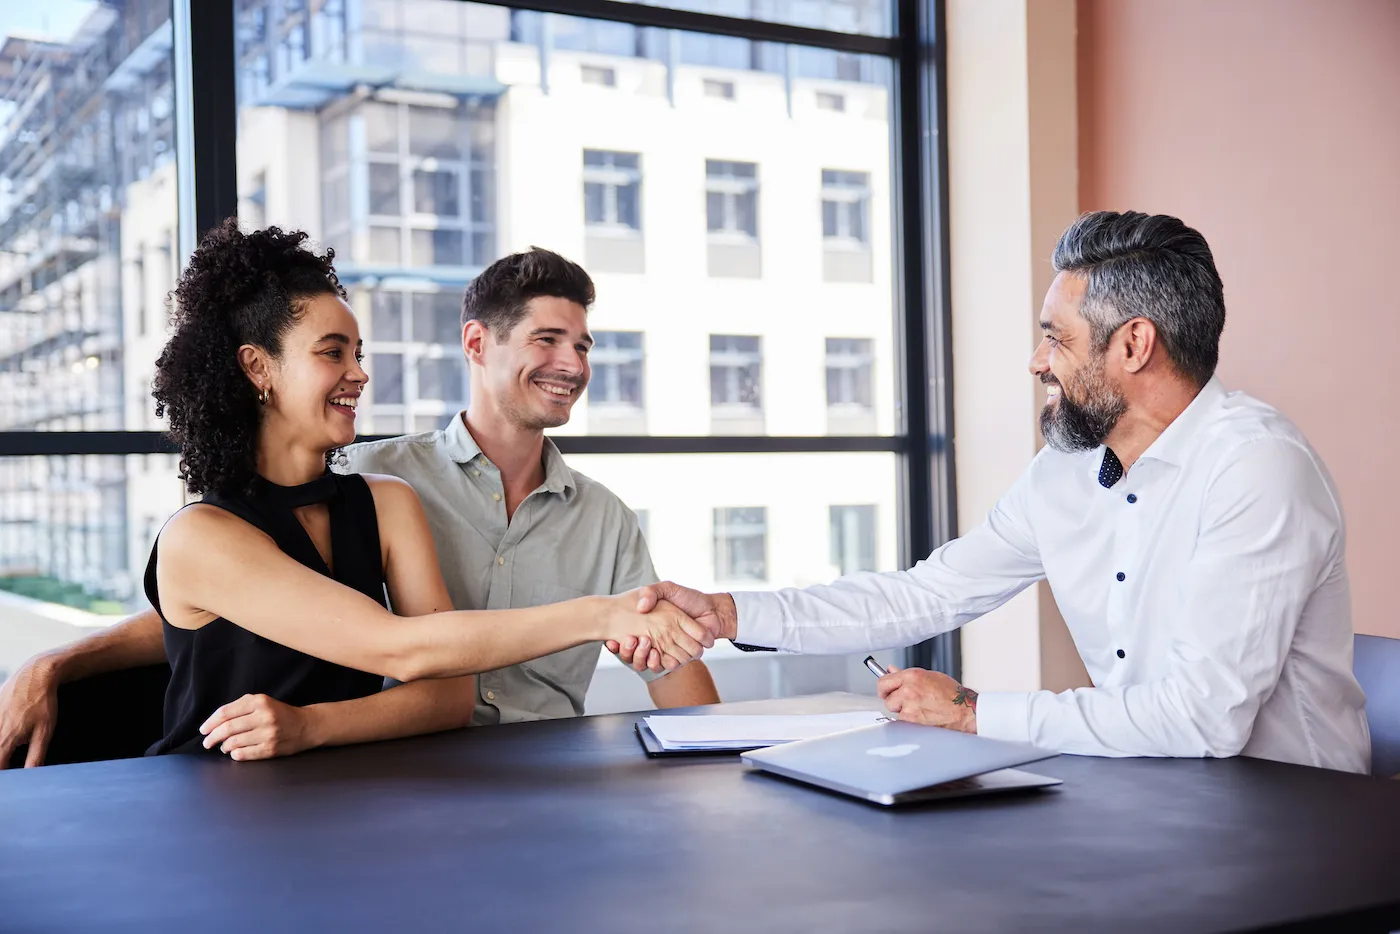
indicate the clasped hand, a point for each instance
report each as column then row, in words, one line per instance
column 700, row 617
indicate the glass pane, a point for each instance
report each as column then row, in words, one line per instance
column 594, row 209
column 580, row 158
column 714, row 210
column 437, row 318
column 629, row 206
column 435, row 131
column 384, row 188
column 386, row 321
column 381, row 123
column 437, row 248
column 75, row 535
column 437, row 192
column 442, row 378
column 88, row 246
column 88, row 253
column 796, row 499
column 337, row 201
column 386, row 377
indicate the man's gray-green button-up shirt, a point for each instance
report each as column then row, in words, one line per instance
column 571, row 537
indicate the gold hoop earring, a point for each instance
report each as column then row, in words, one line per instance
column 264, row 395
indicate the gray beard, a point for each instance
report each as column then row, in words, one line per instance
column 1071, row 426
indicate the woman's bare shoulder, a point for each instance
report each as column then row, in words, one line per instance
column 201, row 525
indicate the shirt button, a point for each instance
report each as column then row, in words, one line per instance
column 500, row 559
column 475, row 472
column 491, row 695
column 1122, row 576
column 1132, row 497
column 496, row 497
column 1120, row 654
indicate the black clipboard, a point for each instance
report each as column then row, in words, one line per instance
column 653, row 748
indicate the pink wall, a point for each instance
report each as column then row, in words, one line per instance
column 1273, row 127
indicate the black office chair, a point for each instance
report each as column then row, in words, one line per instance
column 1376, row 662
column 117, row 715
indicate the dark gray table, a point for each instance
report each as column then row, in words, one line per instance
column 566, row 826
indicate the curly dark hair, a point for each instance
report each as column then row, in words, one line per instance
column 239, row 288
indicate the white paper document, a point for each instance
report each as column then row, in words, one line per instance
column 727, row 731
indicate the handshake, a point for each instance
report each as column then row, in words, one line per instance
column 662, row 626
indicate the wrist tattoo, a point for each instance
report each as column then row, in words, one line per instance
column 966, row 697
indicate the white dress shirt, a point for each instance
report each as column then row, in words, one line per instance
column 1206, row 592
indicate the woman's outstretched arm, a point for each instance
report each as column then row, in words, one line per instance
column 214, row 564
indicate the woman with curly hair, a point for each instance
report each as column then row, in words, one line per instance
column 272, row 590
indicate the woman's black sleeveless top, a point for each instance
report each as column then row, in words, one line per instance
column 220, row 662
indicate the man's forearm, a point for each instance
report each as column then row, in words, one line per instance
column 404, row 710
column 135, row 641
column 689, row 686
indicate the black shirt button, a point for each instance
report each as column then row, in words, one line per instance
column 1122, row 576
column 1132, row 497
column 1120, row 654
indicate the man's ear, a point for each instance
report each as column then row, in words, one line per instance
column 474, row 338
column 256, row 366
column 1139, row 344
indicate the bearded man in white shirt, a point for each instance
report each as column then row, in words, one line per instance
column 1193, row 540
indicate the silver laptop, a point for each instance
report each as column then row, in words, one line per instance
column 900, row 763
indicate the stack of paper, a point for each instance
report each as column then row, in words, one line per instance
column 751, row 732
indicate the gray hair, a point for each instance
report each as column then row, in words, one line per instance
column 1153, row 267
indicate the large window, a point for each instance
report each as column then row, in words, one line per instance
column 732, row 197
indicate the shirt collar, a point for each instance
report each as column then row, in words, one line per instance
column 459, row 444
column 1177, row 439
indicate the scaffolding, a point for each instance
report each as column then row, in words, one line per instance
column 69, row 148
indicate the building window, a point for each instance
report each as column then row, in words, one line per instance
column 833, row 102
column 852, row 539
column 731, row 198
column 602, row 77
column 616, row 359
column 721, row 89
column 850, row 373
column 846, row 208
column 741, row 543
column 736, row 372
column 612, row 191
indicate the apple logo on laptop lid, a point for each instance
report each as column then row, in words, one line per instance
column 892, row 752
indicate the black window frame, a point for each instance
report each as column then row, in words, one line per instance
column 206, row 136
